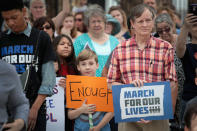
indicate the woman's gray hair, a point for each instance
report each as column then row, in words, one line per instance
column 94, row 11
column 163, row 18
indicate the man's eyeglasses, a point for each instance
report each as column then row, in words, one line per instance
column 161, row 31
column 45, row 27
column 78, row 20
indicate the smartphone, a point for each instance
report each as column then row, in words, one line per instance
column 193, row 9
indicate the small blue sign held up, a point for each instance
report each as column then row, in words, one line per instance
column 151, row 102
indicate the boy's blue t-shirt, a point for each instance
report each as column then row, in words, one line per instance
column 82, row 122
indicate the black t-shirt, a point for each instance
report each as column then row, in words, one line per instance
column 19, row 49
column 189, row 64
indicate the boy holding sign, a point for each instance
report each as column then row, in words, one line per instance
column 85, row 117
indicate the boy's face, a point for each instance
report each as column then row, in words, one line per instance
column 88, row 67
column 15, row 19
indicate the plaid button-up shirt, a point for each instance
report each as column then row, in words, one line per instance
column 154, row 63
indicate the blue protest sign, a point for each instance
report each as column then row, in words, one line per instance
column 150, row 102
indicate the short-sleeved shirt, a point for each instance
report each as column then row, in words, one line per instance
column 154, row 63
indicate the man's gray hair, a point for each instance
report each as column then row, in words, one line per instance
column 163, row 18
column 94, row 11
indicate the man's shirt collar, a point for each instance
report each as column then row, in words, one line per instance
column 27, row 31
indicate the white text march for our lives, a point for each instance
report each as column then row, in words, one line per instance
column 150, row 102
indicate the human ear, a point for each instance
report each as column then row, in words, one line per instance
column 132, row 23
column 186, row 129
column 97, row 66
column 24, row 10
column 78, row 68
column 196, row 80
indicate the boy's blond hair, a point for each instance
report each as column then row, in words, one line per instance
column 85, row 55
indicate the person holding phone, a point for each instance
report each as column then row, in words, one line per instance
column 187, row 51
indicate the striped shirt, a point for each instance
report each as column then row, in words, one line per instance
column 152, row 64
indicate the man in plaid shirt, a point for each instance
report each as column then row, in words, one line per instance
column 143, row 58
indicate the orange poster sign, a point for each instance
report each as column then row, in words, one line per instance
column 94, row 89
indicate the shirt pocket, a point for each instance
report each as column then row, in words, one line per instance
column 155, row 67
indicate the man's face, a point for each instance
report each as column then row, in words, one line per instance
column 15, row 19
column 151, row 3
column 144, row 24
column 88, row 67
column 38, row 9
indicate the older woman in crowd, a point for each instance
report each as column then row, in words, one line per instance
column 164, row 27
column 96, row 39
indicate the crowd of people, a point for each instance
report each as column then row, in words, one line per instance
column 148, row 45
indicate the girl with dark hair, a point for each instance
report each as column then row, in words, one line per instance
column 64, row 47
column 66, row 63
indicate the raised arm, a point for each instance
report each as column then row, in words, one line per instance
column 189, row 21
column 62, row 14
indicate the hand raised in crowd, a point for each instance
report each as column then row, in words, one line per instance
column 87, row 108
column 17, row 125
column 33, row 113
column 62, row 83
column 189, row 21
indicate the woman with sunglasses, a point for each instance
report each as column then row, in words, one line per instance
column 79, row 23
column 164, row 28
column 45, row 24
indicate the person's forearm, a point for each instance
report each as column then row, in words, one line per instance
column 181, row 42
column 20, row 123
column 174, row 92
column 108, row 116
column 39, row 101
column 73, row 114
column 58, row 20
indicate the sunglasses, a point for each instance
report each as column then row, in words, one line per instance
column 161, row 31
column 78, row 20
column 45, row 27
